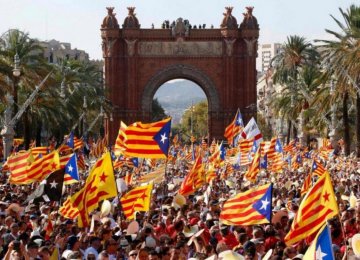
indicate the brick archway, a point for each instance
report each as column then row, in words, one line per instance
column 181, row 71
column 222, row 61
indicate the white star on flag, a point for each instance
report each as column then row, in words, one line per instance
column 53, row 184
column 70, row 168
column 163, row 138
column 277, row 147
column 265, row 203
column 319, row 254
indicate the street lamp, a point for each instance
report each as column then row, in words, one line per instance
column 8, row 132
column 16, row 70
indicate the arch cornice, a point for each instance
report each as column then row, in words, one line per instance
column 184, row 72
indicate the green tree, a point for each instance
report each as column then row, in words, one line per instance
column 196, row 119
column 59, row 104
column 295, row 58
column 33, row 68
column 340, row 58
column 158, row 112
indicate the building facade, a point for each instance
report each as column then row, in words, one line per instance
column 55, row 51
column 267, row 52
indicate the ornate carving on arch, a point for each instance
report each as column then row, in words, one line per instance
column 131, row 46
column 181, row 71
column 251, row 46
column 108, row 47
column 229, row 46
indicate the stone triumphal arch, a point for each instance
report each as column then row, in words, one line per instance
column 222, row 61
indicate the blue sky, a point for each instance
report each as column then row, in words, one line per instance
column 78, row 21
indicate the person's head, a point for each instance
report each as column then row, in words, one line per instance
column 258, row 232
column 91, row 256
column 103, row 255
column 95, row 242
column 32, row 249
column 143, row 254
column 153, row 255
column 14, row 228
column 111, row 246
column 175, row 253
column 73, row 243
column 290, row 252
column 249, row 250
column 224, row 230
column 75, row 255
column 105, row 234
column 259, row 245
column 44, row 253
column 241, row 238
column 133, row 254
column 284, row 221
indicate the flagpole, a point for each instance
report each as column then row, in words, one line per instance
column 344, row 237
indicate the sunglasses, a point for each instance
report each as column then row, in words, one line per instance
column 133, row 255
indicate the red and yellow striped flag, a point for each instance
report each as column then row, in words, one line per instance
column 39, row 150
column 120, row 143
column 138, row 199
column 194, row 179
column 148, row 140
column 251, row 207
column 254, row 167
column 99, row 185
column 234, row 128
column 18, row 165
column 306, row 185
column 317, row 168
column 42, row 167
column 67, row 210
column 318, row 205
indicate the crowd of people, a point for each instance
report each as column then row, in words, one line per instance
column 177, row 227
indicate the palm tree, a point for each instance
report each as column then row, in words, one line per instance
column 33, row 69
column 341, row 58
column 73, row 81
column 294, row 55
column 50, row 110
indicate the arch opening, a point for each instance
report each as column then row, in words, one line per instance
column 203, row 90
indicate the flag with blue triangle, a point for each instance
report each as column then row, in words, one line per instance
column 278, row 146
column 263, row 162
column 321, row 247
column 251, row 207
column 71, row 170
column 70, row 140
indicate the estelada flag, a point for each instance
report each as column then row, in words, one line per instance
column 321, row 247
column 254, row 167
column 120, row 145
column 234, row 128
column 148, row 140
column 138, row 199
column 251, row 207
column 318, row 205
column 99, row 185
column 194, row 179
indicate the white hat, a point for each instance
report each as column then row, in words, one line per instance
column 188, row 232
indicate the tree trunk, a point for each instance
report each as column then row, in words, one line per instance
column 288, row 132
column 38, row 133
column 294, row 130
column 358, row 124
column 346, row 123
column 27, row 134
